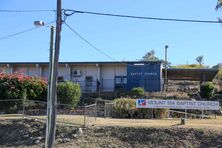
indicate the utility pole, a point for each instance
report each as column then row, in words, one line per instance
column 50, row 139
column 165, row 79
column 51, row 52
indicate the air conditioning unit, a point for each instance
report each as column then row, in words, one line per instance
column 76, row 73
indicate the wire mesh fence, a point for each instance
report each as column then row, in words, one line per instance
column 66, row 113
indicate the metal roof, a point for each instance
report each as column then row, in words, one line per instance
column 77, row 63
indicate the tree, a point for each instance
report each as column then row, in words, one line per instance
column 219, row 4
column 150, row 56
column 200, row 59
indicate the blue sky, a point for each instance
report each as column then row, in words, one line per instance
column 120, row 38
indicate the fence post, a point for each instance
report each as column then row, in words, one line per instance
column 85, row 115
column 202, row 114
column 96, row 110
column 24, row 97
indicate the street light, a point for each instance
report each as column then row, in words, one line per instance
column 39, row 23
column 50, row 102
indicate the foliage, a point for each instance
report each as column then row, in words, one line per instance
column 15, row 86
column 137, row 92
column 219, row 4
column 217, row 97
column 126, row 108
column 150, row 56
column 219, row 75
column 200, row 59
column 69, row 93
column 206, row 90
column 188, row 66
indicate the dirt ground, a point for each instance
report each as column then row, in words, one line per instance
column 18, row 132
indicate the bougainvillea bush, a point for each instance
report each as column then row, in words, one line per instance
column 15, row 86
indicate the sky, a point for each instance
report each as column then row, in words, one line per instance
column 123, row 39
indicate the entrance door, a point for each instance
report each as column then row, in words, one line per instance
column 89, row 81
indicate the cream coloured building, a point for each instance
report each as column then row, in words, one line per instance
column 92, row 76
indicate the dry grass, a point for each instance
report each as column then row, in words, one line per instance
column 79, row 120
column 190, row 123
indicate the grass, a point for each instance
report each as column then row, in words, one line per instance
column 79, row 120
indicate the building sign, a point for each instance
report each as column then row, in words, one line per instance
column 177, row 104
column 147, row 76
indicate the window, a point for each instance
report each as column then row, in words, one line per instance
column 89, row 80
column 60, row 79
column 120, row 82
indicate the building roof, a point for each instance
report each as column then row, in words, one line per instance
column 77, row 63
column 190, row 74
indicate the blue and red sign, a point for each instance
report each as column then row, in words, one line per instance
column 141, row 103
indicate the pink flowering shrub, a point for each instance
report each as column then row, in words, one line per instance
column 14, row 86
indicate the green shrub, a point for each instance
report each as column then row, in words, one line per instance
column 137, row 92
column 69, row 93
column 206, row 90
column 13, row 86
column 126, row 108
column 217, row 97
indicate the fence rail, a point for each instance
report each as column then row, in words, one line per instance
column 80, row 115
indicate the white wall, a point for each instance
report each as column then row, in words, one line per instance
column 86, row 71
column 120, row 70
column 33, row 71
column 20, row 70
column 107, row 76
column 3, row 69
column 45, row 72
column 63, row 71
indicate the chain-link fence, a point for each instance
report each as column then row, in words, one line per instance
column 66, row 113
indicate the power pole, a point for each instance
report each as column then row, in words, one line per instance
column 165, row 79
column 50, row 139
column 49, row 80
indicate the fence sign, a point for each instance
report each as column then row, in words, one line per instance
column 177, row 104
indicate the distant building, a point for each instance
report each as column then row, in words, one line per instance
column 111, row 76
column 97, row 76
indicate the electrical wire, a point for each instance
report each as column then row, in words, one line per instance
column 21, row 32
column 22, row 11
column 90, row 44
column 70, row 12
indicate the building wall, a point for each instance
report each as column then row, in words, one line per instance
column 92, row 77
column 45, row 72
column 87, row 78
column 147, row 76
column 63, row 71
column 33, row 71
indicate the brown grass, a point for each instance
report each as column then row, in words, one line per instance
column 79, row 120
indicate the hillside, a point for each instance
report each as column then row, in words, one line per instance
column 30, row 133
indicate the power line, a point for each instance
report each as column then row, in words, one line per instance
column 23, row 11
column 21, row 32
column 90, row 44
column 70, row 12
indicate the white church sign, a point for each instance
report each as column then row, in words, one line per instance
column 177, row 104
